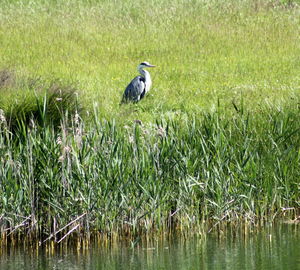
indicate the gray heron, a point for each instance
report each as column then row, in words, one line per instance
column 139, row 86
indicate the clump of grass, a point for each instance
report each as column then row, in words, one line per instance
column 142, row 178
column 28, row 102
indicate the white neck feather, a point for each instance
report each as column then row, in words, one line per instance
column 147, row 77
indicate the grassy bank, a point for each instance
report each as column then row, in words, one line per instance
column 216, row 139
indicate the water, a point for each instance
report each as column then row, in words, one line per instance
column 276, row 247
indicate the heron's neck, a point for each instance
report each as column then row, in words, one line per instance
column 145, row 74
column 147, row 77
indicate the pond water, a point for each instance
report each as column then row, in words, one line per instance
column 271, row 247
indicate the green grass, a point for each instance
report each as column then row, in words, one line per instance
column 204, row 51
column 217, row 138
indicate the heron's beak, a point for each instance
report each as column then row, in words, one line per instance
column 151, row 65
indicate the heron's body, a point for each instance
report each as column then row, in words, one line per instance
column 139, row 86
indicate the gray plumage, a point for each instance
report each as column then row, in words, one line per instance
column 139, row 86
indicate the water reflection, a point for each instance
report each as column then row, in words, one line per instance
column 275, row 247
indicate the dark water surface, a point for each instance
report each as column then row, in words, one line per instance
column 272, row 247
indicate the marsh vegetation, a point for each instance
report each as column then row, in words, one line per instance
column 216, row 140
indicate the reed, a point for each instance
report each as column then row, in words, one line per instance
column 136, row 179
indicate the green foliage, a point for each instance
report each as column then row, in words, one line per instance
column 141, row 178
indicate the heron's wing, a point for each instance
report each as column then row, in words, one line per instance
column 135, row 89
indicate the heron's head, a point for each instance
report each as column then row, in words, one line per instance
column 144, row 65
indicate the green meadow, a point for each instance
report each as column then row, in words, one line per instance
column 205, row 51
column 215, row 140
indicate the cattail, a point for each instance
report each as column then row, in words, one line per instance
column 131, row 139
column 161, row 132
column 2, row 117
column 76, row 118
column 58, row 140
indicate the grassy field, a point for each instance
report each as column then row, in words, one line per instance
column 217, row 137
column 205, row 51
